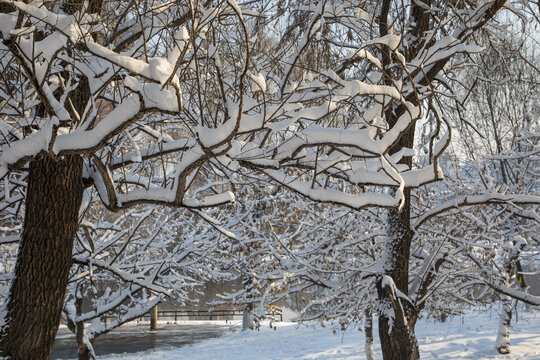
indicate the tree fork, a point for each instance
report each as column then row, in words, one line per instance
column 53, row 197
column 397, row 337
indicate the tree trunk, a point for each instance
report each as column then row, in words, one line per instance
column 368, row 328
column 512, row 266
column 86, row 350
column 247, row 318
column 396, row 317
column 247, row 284
column 396, row 329
column 398, row 342
column 503, row 337
column 34, row 306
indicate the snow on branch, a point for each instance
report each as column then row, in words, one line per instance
column 471, row 200
column 139, row 279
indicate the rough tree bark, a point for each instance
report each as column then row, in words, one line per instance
column 53, row 198
column 396, row 333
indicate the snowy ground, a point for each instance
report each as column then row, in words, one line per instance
column 463, row 337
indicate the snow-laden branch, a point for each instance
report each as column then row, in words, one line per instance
column 514, row 293
column 471, row 200
column 138, row 279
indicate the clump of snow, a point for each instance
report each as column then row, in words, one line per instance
column 7, row 24
column 211, row 137
column 154, row 95
column 117, row 118
column 259, row 81
column 28, row 147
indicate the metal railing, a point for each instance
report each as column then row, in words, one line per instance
column 170, row 315
column 271, row 312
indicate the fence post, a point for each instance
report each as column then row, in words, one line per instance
column 153, row 318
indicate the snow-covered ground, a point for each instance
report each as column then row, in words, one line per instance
column 464, row 337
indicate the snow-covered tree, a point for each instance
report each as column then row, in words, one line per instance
column 498, row 130
column 428, row 36
column 126, row 266
column 134, row 98
column 103, row 94
column 385, row 63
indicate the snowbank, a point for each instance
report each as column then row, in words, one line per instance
column 463, row 337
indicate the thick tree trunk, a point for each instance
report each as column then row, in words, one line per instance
column 53, row 198
column 398, row 342
column 396, row 317
column 396, row 329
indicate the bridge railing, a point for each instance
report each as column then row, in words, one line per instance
column 271, row 312
column 175, row 315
